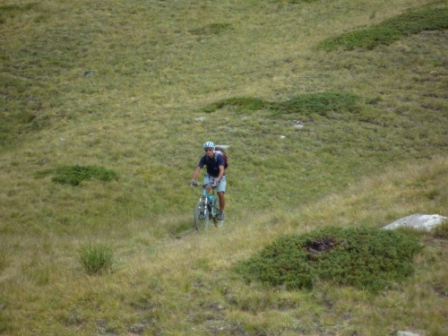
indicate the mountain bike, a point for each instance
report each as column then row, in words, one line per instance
column 206, row 209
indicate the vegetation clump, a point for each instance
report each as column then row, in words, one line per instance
column 239, row 103
column 96, row 258
column 9, row 11
column 210, row 29
column 320, row 103
column 366, row 258
column 74, row 175
column 389, row 31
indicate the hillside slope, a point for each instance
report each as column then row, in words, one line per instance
column 126, row 86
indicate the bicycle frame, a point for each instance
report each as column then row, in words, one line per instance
column 206, row 209
column 211, row 200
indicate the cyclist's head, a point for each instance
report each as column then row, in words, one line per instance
column 209, row 144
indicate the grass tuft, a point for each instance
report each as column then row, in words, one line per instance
column 367, row 258
column 74, row 175
column 97, row 258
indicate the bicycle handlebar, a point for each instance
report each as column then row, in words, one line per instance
column 195, row 184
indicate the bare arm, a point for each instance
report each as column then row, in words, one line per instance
column 196, row 173
column 221, row 173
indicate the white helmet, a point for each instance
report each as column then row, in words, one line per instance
column 209, row 144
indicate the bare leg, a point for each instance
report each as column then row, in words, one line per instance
column 222, row 201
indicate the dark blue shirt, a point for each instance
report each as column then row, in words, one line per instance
column 212, row 164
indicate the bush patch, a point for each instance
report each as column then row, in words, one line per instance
column 389, row 31
column 74, row 175
column 239, row 103
column 366, row 258
column 321, row 103
column 210, row 29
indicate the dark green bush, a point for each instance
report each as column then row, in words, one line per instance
column 414, row 22
column 240, row 103
column 367, row 258
column 362, row 39
column 389, row 31
column 210, row 29
column 320, row 103
column 74, row 175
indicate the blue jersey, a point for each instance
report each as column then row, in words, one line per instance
column 212, row 164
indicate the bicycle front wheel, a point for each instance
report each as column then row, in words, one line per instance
column 201, row 216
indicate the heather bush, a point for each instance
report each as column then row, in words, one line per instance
column 363, row 257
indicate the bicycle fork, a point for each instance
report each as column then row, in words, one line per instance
column 209, row 202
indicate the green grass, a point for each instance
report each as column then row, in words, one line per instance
column 134, row 88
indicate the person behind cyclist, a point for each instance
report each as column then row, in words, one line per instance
column 215, row 173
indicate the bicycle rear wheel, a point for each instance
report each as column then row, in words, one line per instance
column 218, row 220
column 201, row 216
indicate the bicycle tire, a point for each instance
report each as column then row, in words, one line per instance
column 201, row 216
column 216, row 221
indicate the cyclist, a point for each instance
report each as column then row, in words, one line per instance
column 215, row 173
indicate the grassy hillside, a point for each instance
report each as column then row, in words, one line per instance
column 133, row 88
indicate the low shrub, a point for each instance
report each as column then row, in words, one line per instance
column 389, row 31
column 414, row 22
column 210, row 29
column 367, row 258
column 96, row 258
column 320, row 103
column 240, row 103
column 74, row 175
column 362, row 39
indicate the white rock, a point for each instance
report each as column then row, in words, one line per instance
column 417, row 221
column 406, row 333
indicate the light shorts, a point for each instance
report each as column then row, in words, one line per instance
column 221, row 186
